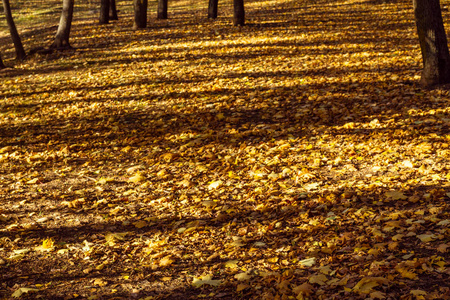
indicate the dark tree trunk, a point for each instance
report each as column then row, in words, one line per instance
column 113, row 10
column 20, row 52
column 212, row 9
column 433, row 42
column 162, row 9
column 104, row 12
column 239, row 13
column 140, row 13
column 2, row 66
column 65, row 22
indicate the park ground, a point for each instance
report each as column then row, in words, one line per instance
column 293, row 158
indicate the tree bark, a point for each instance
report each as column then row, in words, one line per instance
column 65, row 22
column 239, row 13
column 213, row 8
column 140, row 13
column 104, row 12
column 20, row 52
column 113, row 10
column 162, row 9
column 2, row 66
column 433, row 42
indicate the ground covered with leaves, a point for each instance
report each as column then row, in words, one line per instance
column 293, row 158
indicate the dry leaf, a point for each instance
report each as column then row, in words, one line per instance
column 207, row 279
column 319, row 279
column 23, row 290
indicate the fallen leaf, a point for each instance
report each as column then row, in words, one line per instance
column 207, row 279
column 242, row 276
column 319, row 279
column 23, row 290
column 305, row 289
column 396, row 195
column 365, row 285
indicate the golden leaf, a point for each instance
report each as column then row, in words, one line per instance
column 166, row 261
column 319, row 279
column 207, row 279
column 305, row 289
column 365, row 285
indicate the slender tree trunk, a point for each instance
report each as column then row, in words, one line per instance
column 104, row 12
column 20, row 52
column 239, row 13
column 65, row 22
column 212, row 9
column 433, row 42
column 162, row 9
column 2, row 66
column 140, row 13
column 113, row 10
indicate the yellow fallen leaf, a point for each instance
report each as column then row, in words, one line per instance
column 377, row 295
column 444, row 222
column 242, row 276
column 207, row 279
column 47, row 245
column 404, row 272
column 308, row 262
column 33, row 181
column 425, row 238
column 325, row 270
column 365, row 285
column 138, row 177
column 166, row 261
column 100, row 282
column 104, row 180
column 232, row 264
column 442, row 248
column 305, row 289
column 112, row 238
column 319, row 279
column 214, row 184
column 23, row 290
column 273, row 259
column 140, row 224
column 420, row 295
column 396, row 195
column 241, row 287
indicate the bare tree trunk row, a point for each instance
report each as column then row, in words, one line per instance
column 20, row 52
column 433, row 42
column 104, row 12
column 140, row 13
column 162, row 9
column 65, row 23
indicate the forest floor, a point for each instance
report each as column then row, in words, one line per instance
column 293, row 158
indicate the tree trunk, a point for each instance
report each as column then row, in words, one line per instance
column 113, row 10
column 2, row 66
column 433, row 42
column 65, row 22
column 162, row 9
column 104, row 12
column 140, row 13
column 239, row 13
column 212, row 9
column 20, row 52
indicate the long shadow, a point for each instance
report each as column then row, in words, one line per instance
column 329, row 206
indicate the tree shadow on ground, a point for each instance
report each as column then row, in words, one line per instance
column 288, row 225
